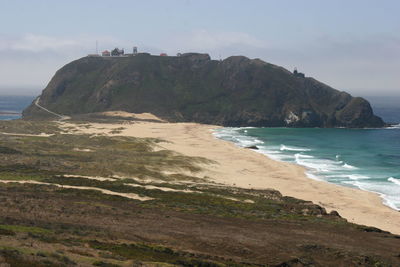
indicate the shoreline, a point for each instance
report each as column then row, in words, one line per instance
column 9, row 113
column 256, row 145
column 242, row 167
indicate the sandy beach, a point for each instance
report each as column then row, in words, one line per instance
column 246, row 168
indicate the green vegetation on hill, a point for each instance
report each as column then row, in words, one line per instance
column 234, row 92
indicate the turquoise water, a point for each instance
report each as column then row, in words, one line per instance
column 368, row 159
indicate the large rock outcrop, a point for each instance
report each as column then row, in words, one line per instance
column 237, row 91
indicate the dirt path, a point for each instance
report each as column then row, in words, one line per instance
column 62, row 117
column 104, row 191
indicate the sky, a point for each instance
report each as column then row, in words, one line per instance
column 351, row 45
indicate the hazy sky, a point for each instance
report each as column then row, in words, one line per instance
column 352, row 45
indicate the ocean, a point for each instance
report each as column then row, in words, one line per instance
column 367, row 159
column 12, row 106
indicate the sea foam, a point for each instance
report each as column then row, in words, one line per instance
column 232, row 134
column 394, row 180
column 391, row 197
column 396, row 126
column 287, row 148
column 348, row 166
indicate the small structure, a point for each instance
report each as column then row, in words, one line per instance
column 163, row 55
column 179, row 54
column 116, row 52
column 106, row 53
column 134, row 50
column 298, row 74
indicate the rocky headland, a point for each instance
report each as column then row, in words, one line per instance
column 237, row 91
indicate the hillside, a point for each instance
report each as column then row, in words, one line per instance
column 76, row 199
column 234, row 92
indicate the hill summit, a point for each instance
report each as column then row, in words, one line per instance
column 237, row 91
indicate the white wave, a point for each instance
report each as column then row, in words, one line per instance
column 319, row 165
column 248, row 141
column 396, row 126
column 314, row 177
column 349, row 176
column 389, row 194
column 233, row 135
column 274, row 154
column 287, row 148
column 299, row 155
column 222, row 133
column 394, row 180
column 389, row 203
column 226, row 133
column 267, row 151
column 348, row 166
column 278, row 157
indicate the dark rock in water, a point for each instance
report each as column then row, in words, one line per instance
column 252, row 147
column 237, row 91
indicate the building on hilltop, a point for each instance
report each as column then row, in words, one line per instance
column 117, row 52
column 106, row 53
column 298, row 74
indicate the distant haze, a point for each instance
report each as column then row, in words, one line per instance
column 350, row 45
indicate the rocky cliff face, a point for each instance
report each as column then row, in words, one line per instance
column 234, row 92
